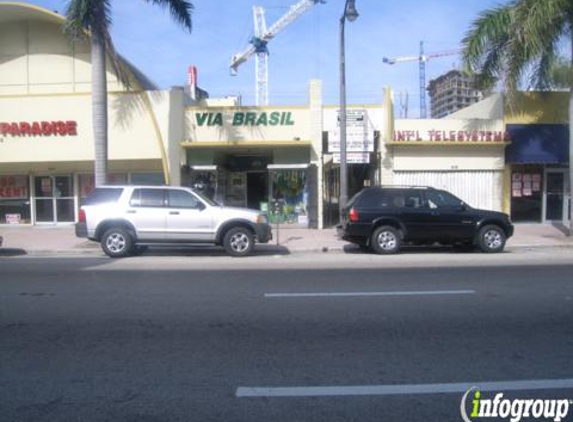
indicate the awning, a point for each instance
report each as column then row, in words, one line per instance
column 538, row 144
column 204, row 168
column 287, row 166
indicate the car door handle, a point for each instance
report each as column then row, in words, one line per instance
column 131, row 212
column 173, row 212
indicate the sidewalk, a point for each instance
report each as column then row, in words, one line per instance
column 43, row 240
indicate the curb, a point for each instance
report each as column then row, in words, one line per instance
column 7, row 252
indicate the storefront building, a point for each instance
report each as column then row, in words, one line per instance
column 281, row 160
column 536, row 183
column 539, row 158
column 465, row 157
column 262, row 158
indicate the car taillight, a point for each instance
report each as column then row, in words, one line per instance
column 82, row 216
column 353, row 215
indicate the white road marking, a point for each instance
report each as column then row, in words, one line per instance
column 367, row 294
column 403, row 389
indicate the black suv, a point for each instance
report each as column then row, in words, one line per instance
column 382, row 218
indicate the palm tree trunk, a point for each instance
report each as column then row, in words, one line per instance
column 99, row 106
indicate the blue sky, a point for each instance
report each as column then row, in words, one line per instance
column 307, row 49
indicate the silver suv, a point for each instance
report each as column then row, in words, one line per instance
column 127, row 219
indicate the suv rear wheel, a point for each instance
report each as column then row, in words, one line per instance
column 386, row 240
column 117, row 242
column 491, row 239
column 239, row 241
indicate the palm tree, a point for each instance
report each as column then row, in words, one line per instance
column 519, row 39
column 93, row 18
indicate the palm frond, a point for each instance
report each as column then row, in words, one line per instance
column 181, row 10
column 490, row 30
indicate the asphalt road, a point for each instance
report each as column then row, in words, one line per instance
column 341, row 337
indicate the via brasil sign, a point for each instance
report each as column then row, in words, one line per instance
column 245, row 118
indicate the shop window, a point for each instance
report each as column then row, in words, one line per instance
column 526, row 194
column 151, row 179
column 14, row 200
column 87, row 182
column 290, row 193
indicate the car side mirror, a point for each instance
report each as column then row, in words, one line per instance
column 201, row 206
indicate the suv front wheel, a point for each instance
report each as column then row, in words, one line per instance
column 386, row 240
column 491, row 239
column 117, row 242
column 239, row 241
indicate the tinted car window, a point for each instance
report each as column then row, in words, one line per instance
column 440, row 198
column 103, row 196
column 182, row 199
column 370, row 198
column 147, row 198
column 381, row 198
column 413, row 199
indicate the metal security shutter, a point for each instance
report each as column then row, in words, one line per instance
column 474, row 187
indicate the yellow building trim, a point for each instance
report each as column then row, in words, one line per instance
column 506, row 190
column 35, row 8
column 156, row 129
column 226, row 144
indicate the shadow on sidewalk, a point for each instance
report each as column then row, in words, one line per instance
column 417, row 249
column 562, row 228
column 12, row 252
column 211, row 251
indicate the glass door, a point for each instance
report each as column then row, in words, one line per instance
column 54, row 197
column 556, row 196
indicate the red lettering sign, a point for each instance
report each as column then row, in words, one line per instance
column 461, row 136
column 43, row 128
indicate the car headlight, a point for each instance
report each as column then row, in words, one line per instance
column 261, row 219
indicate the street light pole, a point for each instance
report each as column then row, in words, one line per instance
column 351, row 14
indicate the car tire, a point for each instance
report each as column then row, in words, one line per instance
column 239, row 241
column 386, row 240
column 491, row 239
column 117, row 242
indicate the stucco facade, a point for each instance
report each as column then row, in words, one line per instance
column 282, row 160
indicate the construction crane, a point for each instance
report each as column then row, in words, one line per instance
column 422, row 58
column 258, row 45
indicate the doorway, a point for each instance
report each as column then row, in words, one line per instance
column 54, row 199
column 556, row 203
column 257, row 189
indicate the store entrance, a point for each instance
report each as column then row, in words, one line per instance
column 54, row 199
column 556, row 196
column 257, row 189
